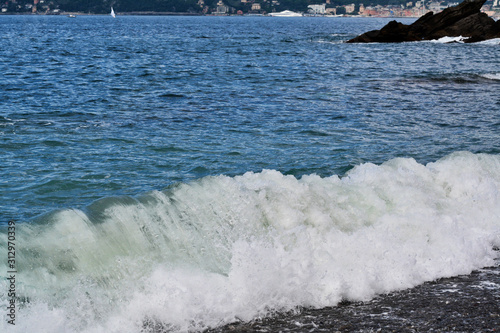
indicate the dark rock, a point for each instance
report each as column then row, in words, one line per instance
column 464, row 20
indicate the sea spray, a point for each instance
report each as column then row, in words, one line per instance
column 220, row 249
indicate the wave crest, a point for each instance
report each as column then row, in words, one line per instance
column 205, row 253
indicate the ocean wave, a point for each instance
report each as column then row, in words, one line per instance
column 455, row 78
column 494, row 41
column 491, row 76
column 220, row 249
column 461, row 39
column 446, row 40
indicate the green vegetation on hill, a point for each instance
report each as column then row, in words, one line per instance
column 103, row 6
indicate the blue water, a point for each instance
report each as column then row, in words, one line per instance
column 187, row 172
column 93, row 107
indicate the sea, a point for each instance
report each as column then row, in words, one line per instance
column 164, row 173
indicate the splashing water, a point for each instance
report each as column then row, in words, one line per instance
column 220, row 249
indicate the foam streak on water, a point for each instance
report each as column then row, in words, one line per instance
column 492, row 76
column 219, row 249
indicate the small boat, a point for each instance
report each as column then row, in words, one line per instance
column 286, row 13
column 112, row 12
column 72, row 15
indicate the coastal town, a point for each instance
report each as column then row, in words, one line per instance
column 327, row 8
column 410, row 9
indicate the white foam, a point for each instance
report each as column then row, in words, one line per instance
column 221, row 249
column 445, row 40
column 493, row 41
column 491, row 76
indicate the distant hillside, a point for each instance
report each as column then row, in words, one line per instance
column 184, row 6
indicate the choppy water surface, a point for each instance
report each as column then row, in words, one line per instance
column 191, row 171
column 95, row 107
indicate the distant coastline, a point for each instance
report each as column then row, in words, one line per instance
column 150, row 13
column 154, row 13
column 328, row 8
column 93, row 14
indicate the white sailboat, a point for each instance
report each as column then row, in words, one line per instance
column 112, row 12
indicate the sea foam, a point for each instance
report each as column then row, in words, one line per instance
column 493, row 41
column 491, row 76
column 445, row 40
column 221, row 249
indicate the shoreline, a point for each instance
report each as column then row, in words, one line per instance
column 465, row 303
column 189, row 14
column 106, row 14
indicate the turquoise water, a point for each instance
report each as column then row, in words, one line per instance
column 187, row 172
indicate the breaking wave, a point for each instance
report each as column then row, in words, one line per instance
column 446, row 40
column 221, row 249
column 491, row 76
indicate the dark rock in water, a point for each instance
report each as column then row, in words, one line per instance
column 464, row 20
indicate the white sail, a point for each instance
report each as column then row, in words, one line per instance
column 112, row 12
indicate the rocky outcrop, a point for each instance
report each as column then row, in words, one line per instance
column 464, row 20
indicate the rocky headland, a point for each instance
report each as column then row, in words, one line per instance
column 465, row 20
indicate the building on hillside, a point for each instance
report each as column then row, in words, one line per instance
column 221, row 9
column 331, row 11
column 361, row 9
column 350, row 8
column 436, row 7
column 317, row 9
